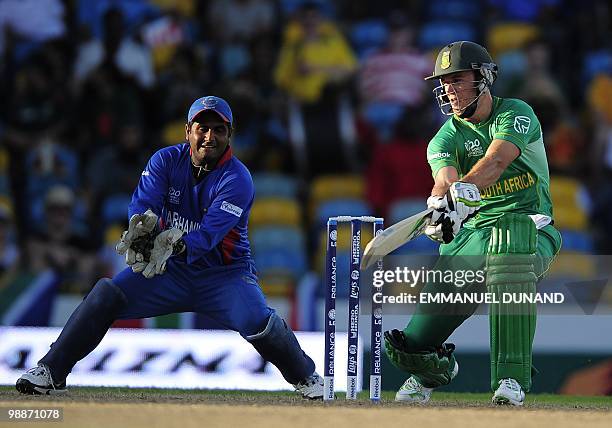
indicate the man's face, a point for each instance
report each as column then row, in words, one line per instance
column 208, row 137
column 461, row 89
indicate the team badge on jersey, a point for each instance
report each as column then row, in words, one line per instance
column 445, row 60
column 522, row 124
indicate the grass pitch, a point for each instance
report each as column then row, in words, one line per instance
column 140, row 407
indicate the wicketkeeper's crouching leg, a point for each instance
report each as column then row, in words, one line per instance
column 277, row 344
column 82, row 333
column 511, row 272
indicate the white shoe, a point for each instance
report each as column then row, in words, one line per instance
column 38, row 381
column 311, row 387
column 413, row 392
column 509, row 391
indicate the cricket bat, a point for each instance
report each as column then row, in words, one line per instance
column 394, row 237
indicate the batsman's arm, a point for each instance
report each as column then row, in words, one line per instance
column 445, row 176
column 489, row 168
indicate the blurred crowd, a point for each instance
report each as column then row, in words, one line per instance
column 91, row 88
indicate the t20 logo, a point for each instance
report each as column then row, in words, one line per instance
column 474, row 148
column 174, row 195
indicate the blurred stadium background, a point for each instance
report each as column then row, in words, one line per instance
column 332, row 117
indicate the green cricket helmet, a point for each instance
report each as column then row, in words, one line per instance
column 464, row 56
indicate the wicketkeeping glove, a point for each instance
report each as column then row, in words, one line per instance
column 134, row 242
column 163, row 248
column 141, row 251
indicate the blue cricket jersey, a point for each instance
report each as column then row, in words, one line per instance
column 213, row 212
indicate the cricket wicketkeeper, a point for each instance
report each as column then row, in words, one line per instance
column 188, row 250
column 491, row 199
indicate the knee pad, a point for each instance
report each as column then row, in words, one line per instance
column 511, row 260
column 277, row 344
column 105, row 295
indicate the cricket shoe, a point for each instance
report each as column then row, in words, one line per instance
column 38, row 381
column 509, row 391
column 311, row 387
column 413, row 392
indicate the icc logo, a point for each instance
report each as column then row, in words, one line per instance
column 355, row 275
column 331, row 314
column 378, row 313
column 352, row 349
column 174, row 195
column 333, row 235
column 209, row 102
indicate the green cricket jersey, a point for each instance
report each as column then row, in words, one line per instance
column 524, row 186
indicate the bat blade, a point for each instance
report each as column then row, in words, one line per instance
column 394, row 237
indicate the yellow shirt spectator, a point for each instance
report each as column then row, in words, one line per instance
column 311, row 57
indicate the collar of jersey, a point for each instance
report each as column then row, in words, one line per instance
column 227, row 155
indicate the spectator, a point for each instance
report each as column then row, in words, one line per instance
column 126, row 159
column 104, row 98
column 33, row 21
column 314, row 67
column 178, row 84
column 126, row 53
column 314, row 54
column 36, row 111
column 539, row 86
column 164, row 35
column 58, row 247
column 48, row 165
column 240, row 20
column 395, row 73
column 387, row 180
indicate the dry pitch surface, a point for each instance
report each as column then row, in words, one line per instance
column 119, row 407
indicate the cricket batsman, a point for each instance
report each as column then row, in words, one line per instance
column 490, row 199
column 188, row 251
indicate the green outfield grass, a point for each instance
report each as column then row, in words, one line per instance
column 190, row 396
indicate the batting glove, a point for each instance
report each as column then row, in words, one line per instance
column 163, row 248
column 464, row 198
column 442, row 227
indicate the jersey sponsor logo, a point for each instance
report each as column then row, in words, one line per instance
column 174, row 196
column 231, row 208
column 174, row 219
column 474, row 148
column 145, row 173
column 522, row 124
column 435, row 156
column 509, row 185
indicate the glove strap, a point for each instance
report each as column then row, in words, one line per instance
column 179, row 247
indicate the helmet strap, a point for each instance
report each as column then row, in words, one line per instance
column 469, row 110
